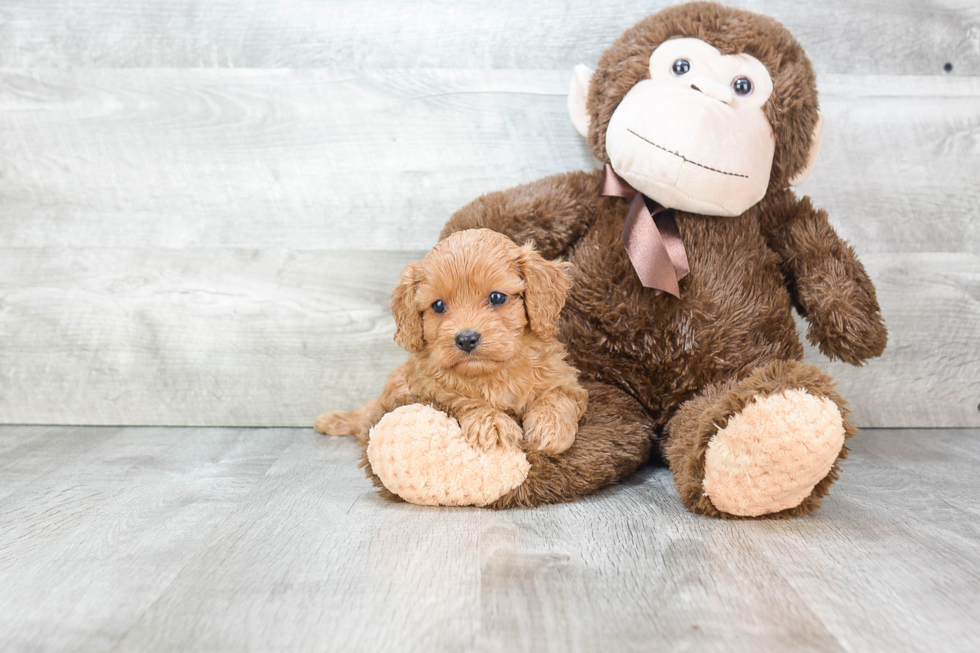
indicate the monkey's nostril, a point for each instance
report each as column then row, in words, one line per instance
column 467, row 340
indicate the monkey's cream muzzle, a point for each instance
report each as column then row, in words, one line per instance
column 689, row 151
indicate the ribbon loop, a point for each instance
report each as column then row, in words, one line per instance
column 615, row 186
column 650, row 236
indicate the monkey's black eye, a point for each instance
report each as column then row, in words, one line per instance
column 742, row 86
column 497, row 298
column 681, row 67
column 439, row 306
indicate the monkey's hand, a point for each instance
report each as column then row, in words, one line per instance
column 845, row 320
column 828, row 284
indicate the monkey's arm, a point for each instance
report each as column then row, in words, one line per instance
column 554, row 212
column 828, row 284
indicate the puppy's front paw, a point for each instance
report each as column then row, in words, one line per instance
column 550, row 430
column 337, row 422
column 484, row 430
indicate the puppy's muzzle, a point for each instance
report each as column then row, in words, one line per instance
column 467, row 340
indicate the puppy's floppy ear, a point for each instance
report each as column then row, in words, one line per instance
column 408, row 320
column 546, row 285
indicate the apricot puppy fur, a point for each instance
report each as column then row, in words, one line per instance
column 478, row 316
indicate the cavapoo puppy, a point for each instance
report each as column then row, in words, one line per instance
column 478, row 316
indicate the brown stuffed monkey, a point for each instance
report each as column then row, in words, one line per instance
column 690, row 252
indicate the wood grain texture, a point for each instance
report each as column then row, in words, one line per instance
column 273, row 337
column 892, row 37
column 258, row 540
column 321, row 160
column 899, row 162
column 240, row 337
column 930, row 371
column 121, row 513
column 184, row 241
column 298, row 159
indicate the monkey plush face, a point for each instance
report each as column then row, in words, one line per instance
column 702, row 124
column 694, row 136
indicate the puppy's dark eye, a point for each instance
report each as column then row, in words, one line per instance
column 439, row 306
column 497, row 298
column 742, row 86
column 681, row 67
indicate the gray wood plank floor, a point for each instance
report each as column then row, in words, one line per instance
column 154, row 539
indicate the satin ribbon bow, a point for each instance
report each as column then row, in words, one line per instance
column 650, row 237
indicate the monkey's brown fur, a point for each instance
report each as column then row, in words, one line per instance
column 671, row 372
column 515, row 386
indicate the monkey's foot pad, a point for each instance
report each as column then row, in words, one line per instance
column 420, row 454
column 770, row 456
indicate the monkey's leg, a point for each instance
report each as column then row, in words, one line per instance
column 764, row 446
column 614, row 438
column 419, row 454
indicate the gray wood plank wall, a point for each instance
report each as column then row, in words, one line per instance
column 203, row 204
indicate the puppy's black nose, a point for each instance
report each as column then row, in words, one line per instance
column 467, row 340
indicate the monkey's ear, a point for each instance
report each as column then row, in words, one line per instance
column 408, row 320
column 546, row 285
column 811, row 159
column 578, row 97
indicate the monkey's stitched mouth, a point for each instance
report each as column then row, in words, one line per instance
column 686, row 160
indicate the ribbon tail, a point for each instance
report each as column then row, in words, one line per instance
column 647, row 250
column 671, row 237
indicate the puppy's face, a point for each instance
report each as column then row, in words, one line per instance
column 471, row 302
